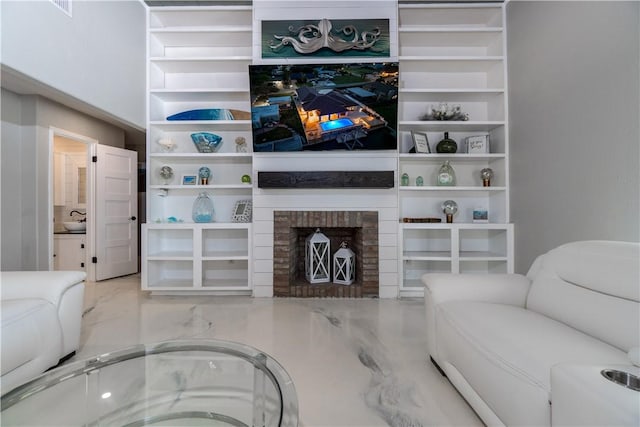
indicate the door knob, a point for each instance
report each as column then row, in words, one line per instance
column 133, row 218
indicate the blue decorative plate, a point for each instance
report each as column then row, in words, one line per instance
column 206, row 142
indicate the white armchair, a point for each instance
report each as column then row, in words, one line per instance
column 41, row 318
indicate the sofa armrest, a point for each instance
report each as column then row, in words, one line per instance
column 509, row 289
column 47, row 285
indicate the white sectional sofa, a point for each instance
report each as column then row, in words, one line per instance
column 529, row 350
column 41, row 316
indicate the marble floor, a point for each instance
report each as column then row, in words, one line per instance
column 354, row 362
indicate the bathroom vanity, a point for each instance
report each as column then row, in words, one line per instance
column 69, row 251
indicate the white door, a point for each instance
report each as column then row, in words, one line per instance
column 116, row 212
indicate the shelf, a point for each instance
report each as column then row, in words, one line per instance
column 458, row 225
column 225, row 256
column 240, row 157
column 456, row 188
column 192, row 125
column 458, row 157
column 200, row 65
column 481, row 256
column 171, row 256
column 481, row 59
column 426, row 256
column 196, row 95
column 462, row 126
column 435, row 96
column 449, row 29
column 202, row 187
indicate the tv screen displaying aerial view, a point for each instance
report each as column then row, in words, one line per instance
column 324, row 107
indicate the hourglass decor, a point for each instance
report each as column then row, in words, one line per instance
column 316, row 258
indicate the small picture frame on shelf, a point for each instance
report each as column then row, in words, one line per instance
column 420, row 142
column 242, row 211
column 480, row 215
column 189, row 179
column 478, row 144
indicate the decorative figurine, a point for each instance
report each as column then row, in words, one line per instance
column 246, row 179
column 486, row 174
column 449, row 207
column 167, row 144
column 241, row 145
column 204, row 173
column 166, row 173
column 405, row 180
column 419, row 181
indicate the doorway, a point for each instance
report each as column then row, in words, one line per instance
column 93, row 208
column 72, row 216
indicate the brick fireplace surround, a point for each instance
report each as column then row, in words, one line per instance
column 359, row 228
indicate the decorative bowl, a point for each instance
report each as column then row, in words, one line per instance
column 206, row 142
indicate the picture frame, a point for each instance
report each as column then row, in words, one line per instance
column 480, row 215
column 478, row 144
column 189, row 179
column 421, row 142
column 242, row 211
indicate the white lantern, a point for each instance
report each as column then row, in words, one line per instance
column 317, row 260
column 344, row 265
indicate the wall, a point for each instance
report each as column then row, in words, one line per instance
column 26, row 173
column 104, row 41
column 574, row 118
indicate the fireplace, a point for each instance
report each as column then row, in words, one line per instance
column 358, row 228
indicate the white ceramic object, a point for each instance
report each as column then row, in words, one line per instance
column 75, row 226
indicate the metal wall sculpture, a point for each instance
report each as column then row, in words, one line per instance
column 343, row 38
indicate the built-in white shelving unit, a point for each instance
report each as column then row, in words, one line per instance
column 197, row 58
column 448, row 53
column 454, row 54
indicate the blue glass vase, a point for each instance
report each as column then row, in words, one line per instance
column 202, row 209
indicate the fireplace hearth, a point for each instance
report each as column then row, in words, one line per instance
column 358, row 228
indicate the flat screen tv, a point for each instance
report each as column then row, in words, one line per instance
column 298, row 107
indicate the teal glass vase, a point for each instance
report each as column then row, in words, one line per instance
column 202, row 209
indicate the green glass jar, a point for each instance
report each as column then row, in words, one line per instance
column 446, row 145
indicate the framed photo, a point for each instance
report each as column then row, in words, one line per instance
column 480, row 215
column 242, row 211
column 478, row 144
column 421, row 142
column 189, row 179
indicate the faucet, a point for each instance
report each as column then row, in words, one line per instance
column 79, row 213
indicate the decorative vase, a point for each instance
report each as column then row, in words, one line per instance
column 419, row 181
column 446, row 145
column 404, row 181
column 446, row 175
column 204, row 173
column 202, row 209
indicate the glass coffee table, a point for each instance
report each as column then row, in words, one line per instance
column 176, row 383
